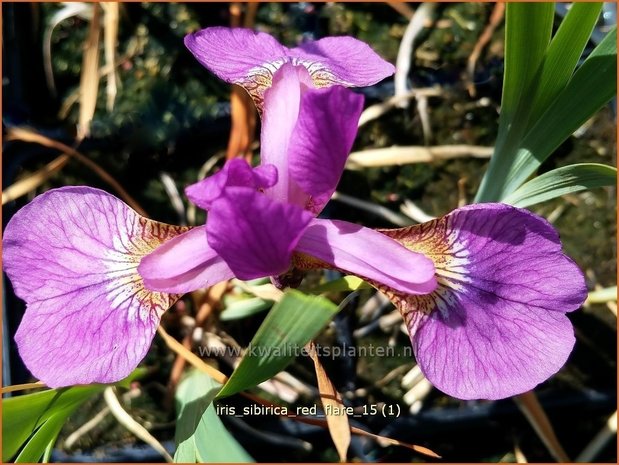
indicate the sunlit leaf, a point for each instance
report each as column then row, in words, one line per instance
column 345, row 284
column 561, row 181
column 563, row 54
column 528, row 27
column 33, row 421
column 608, row 294
column 592, row 86
column 291, row 324
column 245, row 308
column 22, row 415
column 200, row 434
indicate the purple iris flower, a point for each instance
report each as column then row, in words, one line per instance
column 250, row 59
column 483, row 290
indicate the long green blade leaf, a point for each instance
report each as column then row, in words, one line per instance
column 44, row 436
column 200, row 434
column 24, row 414
column 563, row 54
column 528, row 27
column 292, row 323
column 245, row 308
column 25, row 417
column 592, row 86
column 561, row 181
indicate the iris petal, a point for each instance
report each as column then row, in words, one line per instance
column 184, row 264
column 250, row 59
column 72, row 254
column 282, row 103
column 321, row 142
column 495, row 326
column 343, row 61
column 366, row 253
column 239, row 56
column 253, row 233
column 236, row 172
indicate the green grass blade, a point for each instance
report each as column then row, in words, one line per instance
column 292, row 323
column 528, row 28
column 563, row 54
column 245, row 308
column 47, row 433
column 591, row 87
column 22, row 415
column 561, row 181
column 200, row 434
column 344, row 284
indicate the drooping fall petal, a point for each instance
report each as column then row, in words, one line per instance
column 72, row 254
column 495, row 326
column 184, row 264
column 366, row 253
column 253, row 233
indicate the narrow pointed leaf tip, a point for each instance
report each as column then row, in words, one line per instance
column 496, row 324
column 72, row 254
column 250, row 59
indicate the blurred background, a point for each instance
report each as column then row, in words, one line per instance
column 108, row 96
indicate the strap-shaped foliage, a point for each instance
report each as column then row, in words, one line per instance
column 544, row 100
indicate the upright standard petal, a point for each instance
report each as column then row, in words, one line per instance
column 365, row 253
column 239, row 56
column 236, row 172
column 254, row 234
column 282, row 104
column 321, row 141
column 495, row 326
column 72, row 254
column 343, row 61
column 184, row 264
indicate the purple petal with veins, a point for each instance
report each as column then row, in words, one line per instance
column 72, row 254
column 345, row 61
column 307, row 134
column 250, row 59
column 321, row 141
column 282, row 103
column 253, row 233
column 367, row 254
column 236, row 172
column 496, row 324
column 184, row 264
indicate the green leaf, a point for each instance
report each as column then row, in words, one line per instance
column 292, row 323
column 592, row 86
column 245, row 308
column 200, row 434
column 25, row 418
column 45, row 436
column 563, row 54
column 561, row 181
column 22, row 415
column 528, row 27
column 345, row 284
